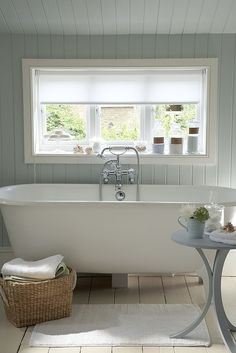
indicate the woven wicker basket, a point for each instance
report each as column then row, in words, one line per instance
column 34, row 302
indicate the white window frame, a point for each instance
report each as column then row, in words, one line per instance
column 30, row 109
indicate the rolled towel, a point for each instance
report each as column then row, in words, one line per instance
column 222, row 236
column 42, row 269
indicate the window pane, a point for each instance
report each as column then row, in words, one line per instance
column 173, row 118
column 65, row 121
column 120, row 123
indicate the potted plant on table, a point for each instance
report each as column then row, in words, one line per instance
column 195, row 218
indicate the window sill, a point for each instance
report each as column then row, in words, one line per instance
column 145, row 158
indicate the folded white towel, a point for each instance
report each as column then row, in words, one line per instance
column 41, row 269
column 222, row 236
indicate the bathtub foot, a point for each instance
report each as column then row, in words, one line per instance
column 119, row 280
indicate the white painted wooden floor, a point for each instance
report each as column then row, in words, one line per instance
column 142, row 289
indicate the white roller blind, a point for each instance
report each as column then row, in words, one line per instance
column 120, row 86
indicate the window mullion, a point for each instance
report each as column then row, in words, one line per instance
column 146, row 122
column 94, row 121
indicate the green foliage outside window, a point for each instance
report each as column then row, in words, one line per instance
column 66, row 117
column 123, row 134
column 119, row 123
column 71, row 118
column 168, row 117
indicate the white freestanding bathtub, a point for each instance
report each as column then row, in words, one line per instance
column 104, row 236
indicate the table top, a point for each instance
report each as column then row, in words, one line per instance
column 181, row 237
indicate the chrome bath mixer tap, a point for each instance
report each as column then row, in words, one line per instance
column 113, row 167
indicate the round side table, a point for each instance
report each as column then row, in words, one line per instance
column 214, row 292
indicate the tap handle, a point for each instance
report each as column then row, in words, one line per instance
column 117, row 150
column 105, row 176
column 99, row 155
column 131, row 173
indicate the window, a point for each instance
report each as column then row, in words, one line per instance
column 60, row 126
column 70, row 117
column 73, row 102
column 120, row 123
column 176, row 120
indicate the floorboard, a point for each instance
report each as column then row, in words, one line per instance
column 10, row 336
column 65, row 350
column 217, row 348
column 96, row 349
column 190, row 350
column 101, row 291
column 128, row 295
column 175, row 290
column 196, row 290
column 127, row 350
column 151, row 290
column 34, row 350
column 82, row 290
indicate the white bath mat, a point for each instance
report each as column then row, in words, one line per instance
column 122, row 325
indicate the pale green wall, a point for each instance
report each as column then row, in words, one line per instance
column 14, row 47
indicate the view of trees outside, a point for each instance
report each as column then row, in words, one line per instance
column 120, row 123
column 71, row 118
column 168, row 116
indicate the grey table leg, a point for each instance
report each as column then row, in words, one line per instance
column 223, row 322
column 223, row 254
column 198, row 320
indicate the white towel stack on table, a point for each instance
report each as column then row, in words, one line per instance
column 21, row 270
column 221, row 236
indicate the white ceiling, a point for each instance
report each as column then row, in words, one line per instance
column 104, row 17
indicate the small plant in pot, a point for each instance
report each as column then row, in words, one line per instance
column 201, row 214
column 195, row 218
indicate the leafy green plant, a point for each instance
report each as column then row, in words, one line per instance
column 193, row 212
column 201, row 214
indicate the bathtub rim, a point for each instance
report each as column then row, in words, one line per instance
column 7, row 202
